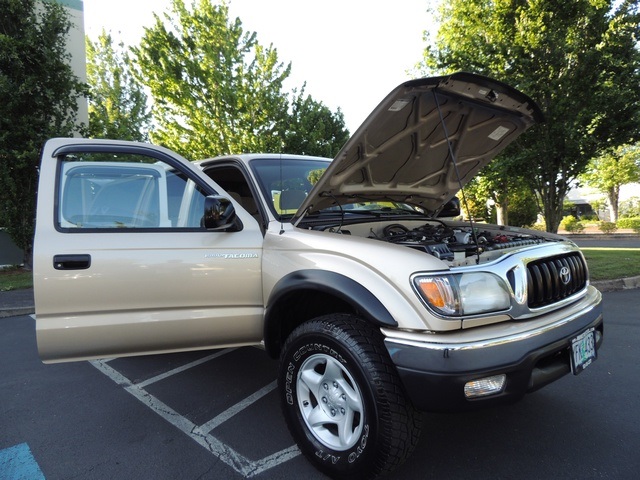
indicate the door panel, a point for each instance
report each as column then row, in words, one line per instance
column 121, row 264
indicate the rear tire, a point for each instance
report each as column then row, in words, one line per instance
column 342, row 398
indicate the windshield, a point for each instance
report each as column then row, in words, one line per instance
column 287, row 182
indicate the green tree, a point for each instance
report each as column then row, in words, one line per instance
column 314, row 175
column 312, row 129
column 215, row 89
column 474, row 203
column 117, row 103
column 523, row 208
column 38, row 100
column 499, row 180
column 494, row 196
column 608, row 172
column 579, row 60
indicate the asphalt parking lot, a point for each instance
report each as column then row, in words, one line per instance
column 210, row 414
column 233, row 383
column 215, row 415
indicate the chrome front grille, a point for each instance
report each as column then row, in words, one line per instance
column 552, row 279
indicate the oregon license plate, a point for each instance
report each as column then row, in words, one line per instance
column 583, row 351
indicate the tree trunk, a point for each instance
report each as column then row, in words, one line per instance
column 552, row 204
column 501, row 198
column 501, row 213
column 613, row 195
column 551, row 219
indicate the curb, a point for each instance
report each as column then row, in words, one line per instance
column 599, row 235
column 618, row 284
column 15, row 312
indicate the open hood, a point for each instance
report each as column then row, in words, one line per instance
column 403, row 151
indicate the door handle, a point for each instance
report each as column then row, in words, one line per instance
column 71, row 262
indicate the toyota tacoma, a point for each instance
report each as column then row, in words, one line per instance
column 351, row 271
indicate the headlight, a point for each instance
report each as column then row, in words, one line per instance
column 464, row 293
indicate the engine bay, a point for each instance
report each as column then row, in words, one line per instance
column 456, row 243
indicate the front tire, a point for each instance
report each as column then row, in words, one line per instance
column 342, row 399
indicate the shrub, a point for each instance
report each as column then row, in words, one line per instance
column 578, row 227
column 568, row 219
column 537, row 226
column 523, row 209
column 632, row 223
column 629, row 208
column 572, row 224
column 607, row 227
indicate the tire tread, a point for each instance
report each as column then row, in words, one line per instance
column 400, row 422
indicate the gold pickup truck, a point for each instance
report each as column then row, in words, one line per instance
column 350, row 270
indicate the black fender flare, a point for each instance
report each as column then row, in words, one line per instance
column 335, row 284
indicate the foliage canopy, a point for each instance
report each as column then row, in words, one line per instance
column 609, row 171
column 38, row 100
column 579, row 60
column 217, row 90
column 117, row 102
column 312, row 129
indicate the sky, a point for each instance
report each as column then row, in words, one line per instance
column 350, row 53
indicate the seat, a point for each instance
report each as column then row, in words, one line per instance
column 291, row 199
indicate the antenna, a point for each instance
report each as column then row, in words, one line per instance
column 281, row 190
column 455, row 166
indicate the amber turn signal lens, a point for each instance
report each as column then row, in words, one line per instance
column 432, row 293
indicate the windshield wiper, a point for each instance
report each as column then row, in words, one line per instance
column 381, row 212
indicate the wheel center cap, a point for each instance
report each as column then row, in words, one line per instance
column 333, row 399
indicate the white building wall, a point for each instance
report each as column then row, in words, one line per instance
column 76, row 47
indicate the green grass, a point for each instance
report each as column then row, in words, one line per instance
column 15, row 278
column 612, row 263
column 604, row 264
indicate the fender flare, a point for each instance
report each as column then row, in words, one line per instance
column 336, row 284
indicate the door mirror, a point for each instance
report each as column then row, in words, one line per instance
column 219, row 215
column 451, row 208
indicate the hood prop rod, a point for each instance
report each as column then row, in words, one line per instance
column 455, row 166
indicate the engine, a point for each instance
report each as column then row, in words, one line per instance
column 446, row 242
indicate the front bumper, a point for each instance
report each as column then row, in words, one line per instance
column 434, row 373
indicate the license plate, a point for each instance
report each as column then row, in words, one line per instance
column 583, row 351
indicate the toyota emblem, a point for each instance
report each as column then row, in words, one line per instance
column 565, row 275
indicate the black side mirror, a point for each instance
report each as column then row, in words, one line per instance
column 451, row 208
column 219, row 215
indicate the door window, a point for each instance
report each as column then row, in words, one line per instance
column 125, row 191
